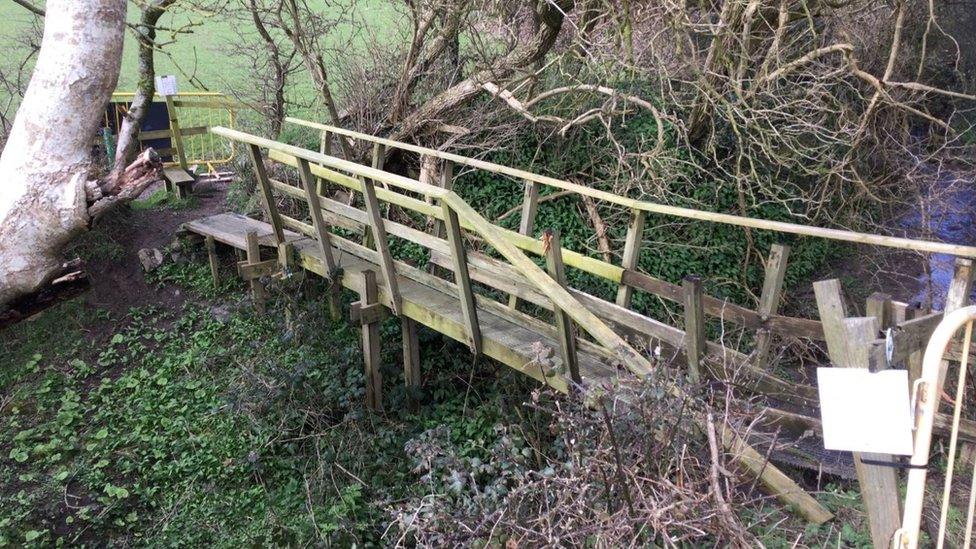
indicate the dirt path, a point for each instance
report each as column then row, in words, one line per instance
column 118, row 282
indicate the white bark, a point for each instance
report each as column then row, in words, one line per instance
column 44, row 166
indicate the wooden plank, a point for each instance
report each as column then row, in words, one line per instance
column 249, row 270
column 729, row 312
column 849, row 345
column 769, row 299
column 267, row 198
column 381, row 242
column 411, row 354
column 629, row 357
column 174, row 126
column 258, row 293
column 367, row 314
column 504, row 277
column 694, row 327
column 564, row 324
column 462, row 279
column 631, row 256
column 212, row 258
column 371, row 345
column 674, row 211
column 879, row 306
column 315, row 212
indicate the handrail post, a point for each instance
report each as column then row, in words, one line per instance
column 631, row 256
column 530, row 207
column 564, row 324
column 772, row 292
column 174, row 126
column 381, row 243
column 694, row 327
column 267, row 199
column 468, row 308
column 315, row 211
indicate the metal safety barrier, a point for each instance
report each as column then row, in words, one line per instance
column 926, row 396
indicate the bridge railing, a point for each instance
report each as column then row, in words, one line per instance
column 604, row 323
column 454, row 212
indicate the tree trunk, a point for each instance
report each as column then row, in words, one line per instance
column 45, row 164
column 128, row 141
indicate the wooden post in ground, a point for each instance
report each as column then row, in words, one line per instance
column 632, row 245
column 411, row 357
column 772, row 294
column 258, row 292
column 958, row 297
column 465, row 292
column 371, row 343
column 564, row 324
column 848, row 344
column 530, row 207
column 694, row 327
column 212, row 257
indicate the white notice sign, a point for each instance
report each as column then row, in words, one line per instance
column 166, row 85
column 864, row 411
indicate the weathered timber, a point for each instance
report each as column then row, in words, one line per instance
column 211, row 245
column 249, row 270
column 465, row 292
column 694, row 327
column 174, row 126
column 849, row 346
column 631, row 256
column 530, row 208
column 730, row 312
column 564, row 324
column 258, row 293
column 650, row 207
column 367, row 314
column 381, row 242
column 411, row 355
column 267, row 199
column 769, row 299
column 315, row 212
column 371, row 343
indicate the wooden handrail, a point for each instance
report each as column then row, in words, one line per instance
column 332, row 162
column 674, row 211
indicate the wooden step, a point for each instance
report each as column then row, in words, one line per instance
column 179, row 181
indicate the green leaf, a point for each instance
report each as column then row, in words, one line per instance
column 102, row 433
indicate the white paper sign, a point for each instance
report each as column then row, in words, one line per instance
column 864, row 411
column 166, row 85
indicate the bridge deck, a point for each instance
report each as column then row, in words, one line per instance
column 506, row 335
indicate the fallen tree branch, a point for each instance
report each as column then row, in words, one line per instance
column 136, row 177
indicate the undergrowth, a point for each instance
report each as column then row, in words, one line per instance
column 207, row 424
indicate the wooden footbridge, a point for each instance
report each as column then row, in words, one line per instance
column 478, row 273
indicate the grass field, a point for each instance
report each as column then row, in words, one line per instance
column 205, row 51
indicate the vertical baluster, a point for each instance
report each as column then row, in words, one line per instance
column 632, row 245
column 564, row 324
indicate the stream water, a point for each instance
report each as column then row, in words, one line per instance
column 947, row 215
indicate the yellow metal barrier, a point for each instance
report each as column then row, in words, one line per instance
column 196, row 113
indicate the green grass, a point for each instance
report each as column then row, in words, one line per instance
column 204, row 52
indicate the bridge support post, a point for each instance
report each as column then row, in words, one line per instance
column 411, row 358
column 371, row 344
column 258, row 292
column 212, row 257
